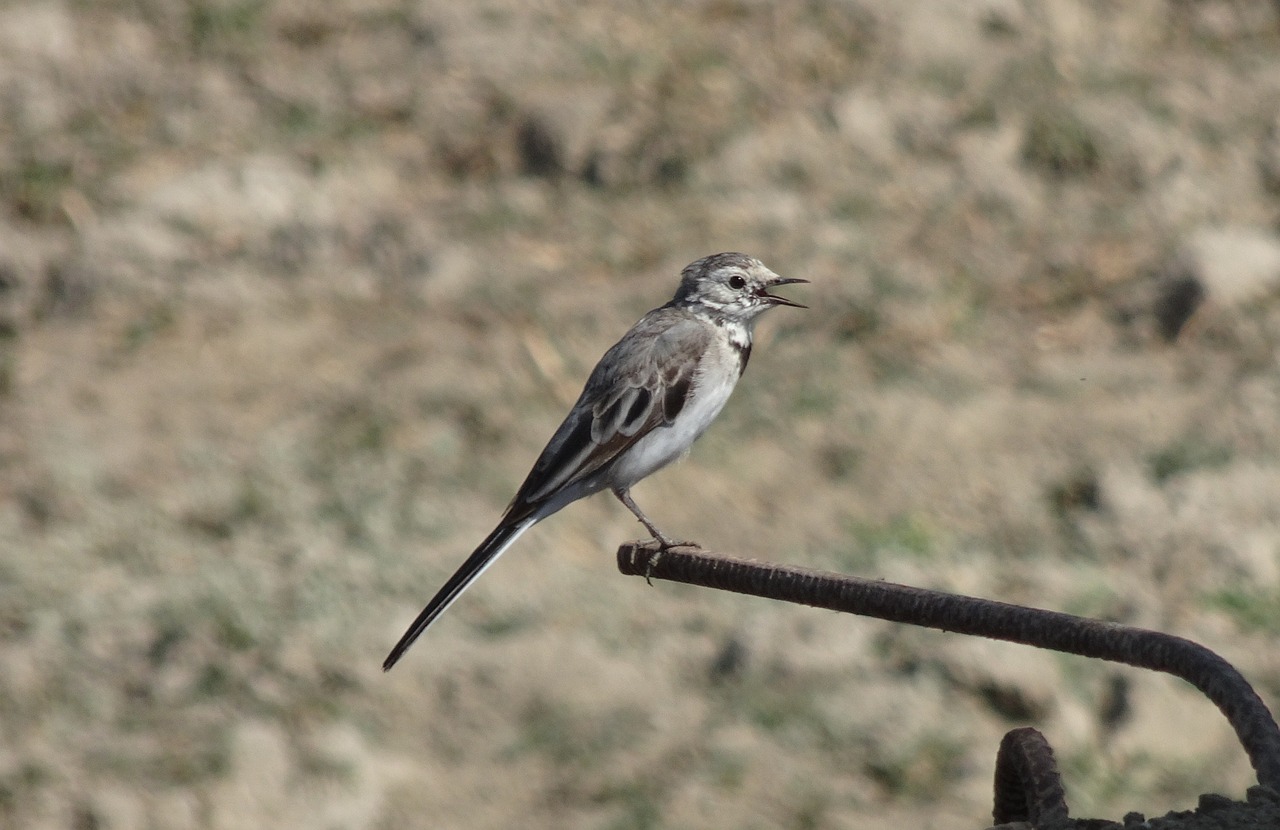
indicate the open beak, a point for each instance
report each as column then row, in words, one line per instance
column 775, row 299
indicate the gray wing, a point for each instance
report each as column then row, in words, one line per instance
column 639, row 385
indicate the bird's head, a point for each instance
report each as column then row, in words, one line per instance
column 731, row 285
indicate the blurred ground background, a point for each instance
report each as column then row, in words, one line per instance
column 292, row 293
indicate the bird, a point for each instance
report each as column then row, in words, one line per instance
column 648, row 399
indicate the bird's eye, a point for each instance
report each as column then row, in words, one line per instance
column 737, row 281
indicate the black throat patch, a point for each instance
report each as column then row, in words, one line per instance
column 740, row 339
column 744, row 354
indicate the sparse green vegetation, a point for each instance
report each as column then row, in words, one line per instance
column 1188, row 454
column 150, row 324
column 1254, row 608
column 1059, row 143
column 35, row 187
column 292, row 294
column 224, row 27
column 909, row 534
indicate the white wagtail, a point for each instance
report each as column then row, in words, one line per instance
column 646, row 402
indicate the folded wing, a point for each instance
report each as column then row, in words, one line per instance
column 640, row 385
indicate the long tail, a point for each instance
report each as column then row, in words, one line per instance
column 490, row 549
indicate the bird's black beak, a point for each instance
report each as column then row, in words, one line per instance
column 775, row 299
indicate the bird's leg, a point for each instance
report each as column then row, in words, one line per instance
column 624, row 496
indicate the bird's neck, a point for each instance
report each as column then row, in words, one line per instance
column 739, row 333
column 738, row 330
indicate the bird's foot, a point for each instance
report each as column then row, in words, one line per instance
column 664, row 544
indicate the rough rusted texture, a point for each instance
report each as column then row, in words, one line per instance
column 1028, row 787
column 1205, row 670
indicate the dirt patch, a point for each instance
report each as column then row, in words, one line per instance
column 291, row 294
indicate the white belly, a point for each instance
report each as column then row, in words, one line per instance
column 666, row 444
